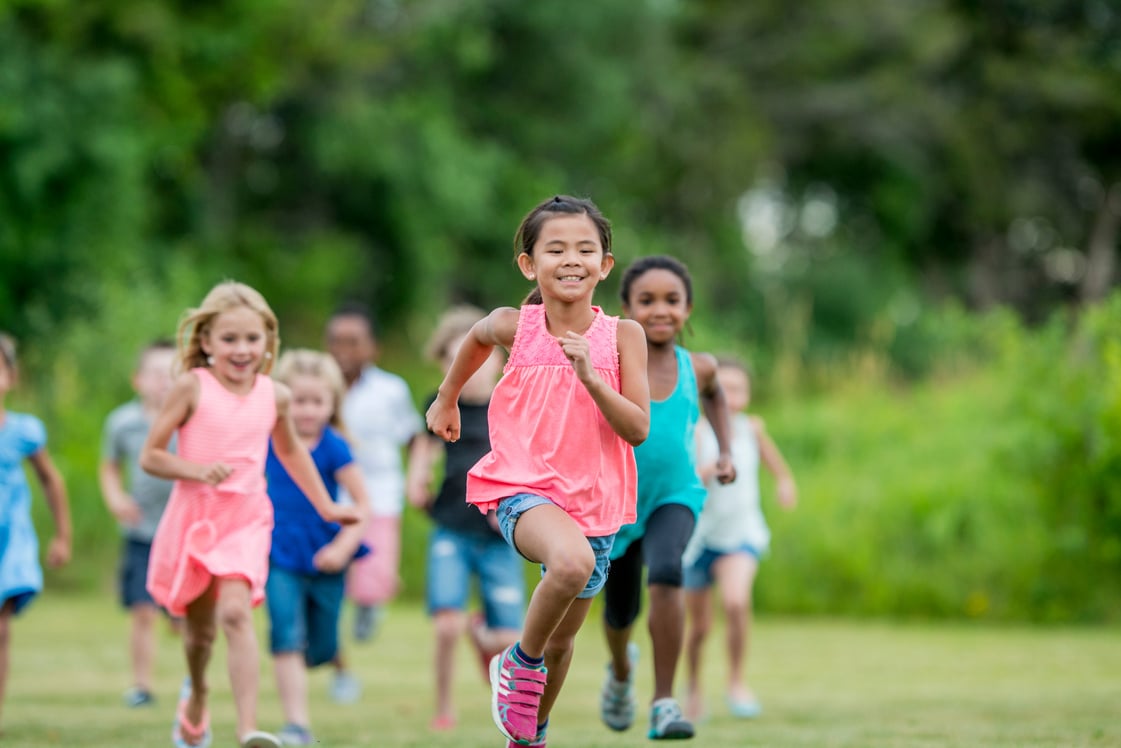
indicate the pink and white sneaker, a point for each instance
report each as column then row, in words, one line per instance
column 516, row 691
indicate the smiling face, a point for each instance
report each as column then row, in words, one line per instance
column 659, row 301
column 312, row 405
column 236, row 339
column 568, row 258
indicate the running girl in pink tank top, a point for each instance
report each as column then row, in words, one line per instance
column 571, row 404
column 210, row 554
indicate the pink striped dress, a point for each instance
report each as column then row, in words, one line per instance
column 224, row 530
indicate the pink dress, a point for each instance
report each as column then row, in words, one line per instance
column 549, row 438
column 224, row 530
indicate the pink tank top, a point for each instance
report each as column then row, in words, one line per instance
column 549, row 438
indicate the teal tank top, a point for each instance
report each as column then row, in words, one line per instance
column 667, row 465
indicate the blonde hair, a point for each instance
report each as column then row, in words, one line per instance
column 454, row 323
column 303, row 362
column 222, row 298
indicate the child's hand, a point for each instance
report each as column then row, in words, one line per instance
column 343, row 514
column 214, row 473
column 329, row 559
column 443, row 419
column 725, row 470
column 58, row 552
column 787, row 493
column 126, row 512
column 576, row 350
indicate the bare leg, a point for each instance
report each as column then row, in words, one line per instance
column 5, row 645
column 735, row 574
column 234, row 613
column 291, row 685
column 667, row 629
column 617, row 640
column 547, row 535
column 142, row 644
column 449, row 626
column 699, row 608
column 558, row 654
column 199, row 631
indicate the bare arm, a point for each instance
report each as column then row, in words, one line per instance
column 628, row 411
column 424, row 451
column 338, row 553
column 296, row 459
column 156, row 459
column 716, row 411
column 117, row 499
column 54, row 490
column 706, row 471
column 496, row 329
column 773, row 460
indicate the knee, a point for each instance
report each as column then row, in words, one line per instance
column 199, row 635
column 448, row 624
column 234, row 618
column 666, row 571
column 572, row 568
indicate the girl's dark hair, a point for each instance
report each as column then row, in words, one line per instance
column 530, row 228
column 656, row 262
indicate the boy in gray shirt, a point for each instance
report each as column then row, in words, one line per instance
column 138, row 507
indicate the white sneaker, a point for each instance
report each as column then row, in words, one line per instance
column 617, row 703
column 667, row 722
column 345, row 688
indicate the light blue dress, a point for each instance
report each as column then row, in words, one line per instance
column 667, row 467
column 21, row 577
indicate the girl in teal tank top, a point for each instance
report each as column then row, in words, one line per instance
column 658, row 294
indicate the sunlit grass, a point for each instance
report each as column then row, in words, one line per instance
column 823, row 683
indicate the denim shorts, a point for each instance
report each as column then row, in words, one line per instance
column 513, row 507
column 454, row 557
column 698, row 575
column 304, row 613
column 133, row 577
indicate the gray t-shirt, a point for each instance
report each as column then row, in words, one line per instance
column 126, row 428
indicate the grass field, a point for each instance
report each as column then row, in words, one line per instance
column 823, row 683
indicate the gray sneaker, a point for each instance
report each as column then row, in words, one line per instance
column 616, row 701
column 367, row 618
column 667, row 722
column 345, row 688
column 293, row 734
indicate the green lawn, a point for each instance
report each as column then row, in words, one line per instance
column 823, row 683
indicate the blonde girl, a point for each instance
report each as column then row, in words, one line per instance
column 210, row 553
column 309, row 556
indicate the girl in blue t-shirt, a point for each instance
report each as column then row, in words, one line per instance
column 22, row 437
column 309, row 556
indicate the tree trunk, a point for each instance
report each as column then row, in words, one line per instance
column 1101, row 253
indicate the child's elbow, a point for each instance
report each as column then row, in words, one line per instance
column 638, row 434
column 146, row 462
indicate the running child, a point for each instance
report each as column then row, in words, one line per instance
column 463, row 544
column 730, row 539
column 382, row 420
column 210, row 554
column 657, row 292
column 563, row 422
column 137, row 503
column 22, row 437
column 309, row 556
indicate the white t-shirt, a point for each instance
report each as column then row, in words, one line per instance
column 732, row 516
column 380, row 416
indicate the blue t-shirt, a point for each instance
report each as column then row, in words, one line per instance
column 298, row 531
